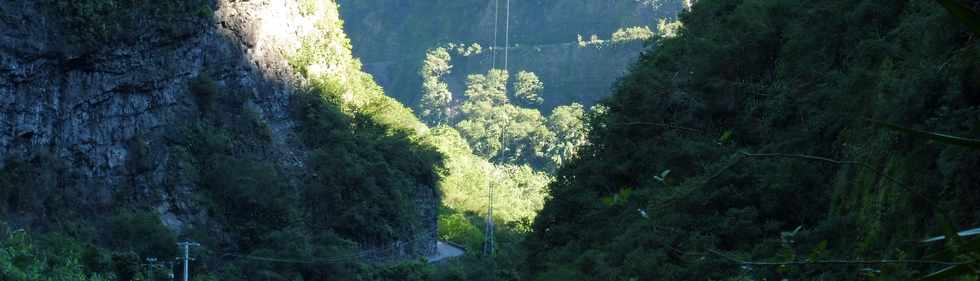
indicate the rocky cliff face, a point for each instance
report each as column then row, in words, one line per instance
column 107, row 114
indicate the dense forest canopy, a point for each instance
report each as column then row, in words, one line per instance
column 749, row 140
column 746, row 138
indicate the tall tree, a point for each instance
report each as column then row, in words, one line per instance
column 528, row 88
column 436, row 104
column 491, row 88
column 498, row 130
column 567, row 123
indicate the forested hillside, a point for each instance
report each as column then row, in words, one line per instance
column 393, row 37
column 746, row 140
column 751, row 146
column 247, row 127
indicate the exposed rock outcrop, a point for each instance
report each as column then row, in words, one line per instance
column 102, row 110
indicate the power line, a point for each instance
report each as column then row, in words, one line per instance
column 488, row 243
column 367, row 253
column 507, row 37
column 493, row 49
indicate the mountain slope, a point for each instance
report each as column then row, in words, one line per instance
column 742, row 139
column 244, row 125
column 544, row 33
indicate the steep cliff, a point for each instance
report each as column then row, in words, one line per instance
column 173, row 106
column 543, row 34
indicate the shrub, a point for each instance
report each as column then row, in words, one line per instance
column 205, row 90
column 634, row 33
column 143, row 233
column 95, row 24
column 307, row 7
column 138, row 159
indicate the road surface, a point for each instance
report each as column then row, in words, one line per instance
column 444, row 251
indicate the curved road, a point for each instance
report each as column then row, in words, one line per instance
column 445, row 251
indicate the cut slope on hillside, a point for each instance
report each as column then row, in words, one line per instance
column 393, row 37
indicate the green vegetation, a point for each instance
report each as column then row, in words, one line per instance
column 436, row 98
column 205, row 91
column 668, row 29
column 755, row 140
column 92, row 24
column 633, row 33
column 464, row 50
column 141, row 233
column 308, row 7
column 410, row 29
column 23, row 258
column 739, row 150
column 567, row 122
column 490, row 143
column 368, row 168
column 495, row 128
column 519, row 189
column 367, row 182
column 527, row 89
column 593, row 41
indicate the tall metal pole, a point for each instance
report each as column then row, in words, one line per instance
column 488, row 230
column 171, row 264
column 492, row 242
column 186, row 246
column 150, row 261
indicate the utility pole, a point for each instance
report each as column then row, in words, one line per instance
column 150, row 261
column 186, row 246
column 171, row 265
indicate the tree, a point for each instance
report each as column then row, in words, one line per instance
column 506, row 133
column 437, row 63
column 436, row 102
column 669, row 29
column 633, row 33
column 490, row 88
column 648, row 194
column 436, row 98
column 498, row 130
column 567, row 123
column 527, row 89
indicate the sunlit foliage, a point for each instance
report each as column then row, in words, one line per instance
column 633, row 33
column 668, row 29
column 436, row 98
column 527, row 89
column 567, row 122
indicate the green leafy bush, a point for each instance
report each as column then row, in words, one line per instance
column 205, row 91
column 22, row 258
column 92, row 24
column 141, row 232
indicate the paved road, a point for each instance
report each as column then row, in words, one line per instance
column 444, row 251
